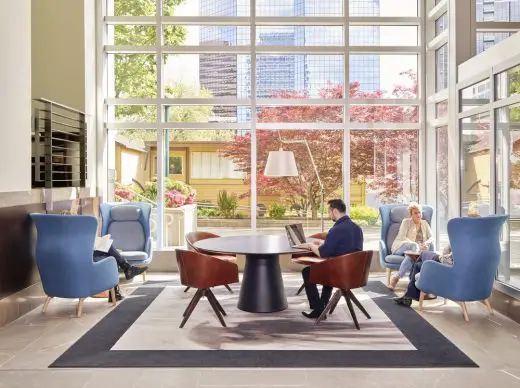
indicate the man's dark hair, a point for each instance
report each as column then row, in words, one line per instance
column 337, row 204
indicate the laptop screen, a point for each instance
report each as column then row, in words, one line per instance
column 295, row 234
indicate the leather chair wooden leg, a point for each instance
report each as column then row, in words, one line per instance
column 191, row 302
column 357, row 303
column 46, row 304
column 350, row 308
column 331, row 305
column 214, row 304
column 300, row 289
column 191, row 307
column 211, row 295
column 228, row 288
column 186, row 289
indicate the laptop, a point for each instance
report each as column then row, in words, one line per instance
column 295, row 235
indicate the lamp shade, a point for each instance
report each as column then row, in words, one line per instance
column 281, row 163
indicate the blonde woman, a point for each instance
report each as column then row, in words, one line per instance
column 414, row 235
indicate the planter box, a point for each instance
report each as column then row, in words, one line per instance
column 177, row 222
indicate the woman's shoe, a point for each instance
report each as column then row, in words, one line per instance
column 393, row 282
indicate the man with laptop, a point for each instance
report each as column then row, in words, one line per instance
column 344, row 237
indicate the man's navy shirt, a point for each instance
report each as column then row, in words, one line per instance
column 344, row 237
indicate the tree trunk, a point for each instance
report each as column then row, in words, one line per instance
column 314, row 208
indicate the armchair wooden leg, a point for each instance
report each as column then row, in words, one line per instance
column 388, row 276
column 215, row 307
column 187, row 288
column 488, row 305
column 228, row 288
column 191, row 307
column 445, row 301
column 421, row 300
column 79, row 308
column 113, row 296
column 144, row 276
column 46, row 303
column 358, row 304
column 300, row 289
column 464, row 311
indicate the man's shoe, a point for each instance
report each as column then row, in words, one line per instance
column 132, row 271
column 119, row 297
column 313, row 314
column 403, row 301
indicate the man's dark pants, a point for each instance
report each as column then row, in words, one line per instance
column 313, row 295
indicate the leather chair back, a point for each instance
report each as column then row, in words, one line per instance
column 193, row 237
column 198, row 270
column 345, row 272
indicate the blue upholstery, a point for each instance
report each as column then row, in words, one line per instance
column 64, row 254
column 391, row 217
column 475, row 244
column 129, row 225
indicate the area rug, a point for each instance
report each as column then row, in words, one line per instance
column 142, row 331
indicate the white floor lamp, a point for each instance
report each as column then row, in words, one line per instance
column 282, row 164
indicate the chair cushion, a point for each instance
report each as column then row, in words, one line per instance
column 125, row 213
column 226, row 257
column 394, row 259
column 399, row 213
column 134, row 255
column 127, row 235
column 393, row 230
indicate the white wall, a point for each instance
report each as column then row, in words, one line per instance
column 15, row 95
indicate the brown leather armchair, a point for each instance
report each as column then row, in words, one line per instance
column 345, row 273
column 303, row 255
column 202, row 272
column 193, row 237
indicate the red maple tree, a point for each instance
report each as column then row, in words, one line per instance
column 374, row 154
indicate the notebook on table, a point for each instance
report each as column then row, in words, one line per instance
column 296, row 236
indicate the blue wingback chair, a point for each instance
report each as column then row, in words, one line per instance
column 475, row 245
column 129, row 225
column 64, row 255
column 391, row 217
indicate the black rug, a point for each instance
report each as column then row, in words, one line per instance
column 93, row 350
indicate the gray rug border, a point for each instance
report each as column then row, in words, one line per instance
column 92, row 350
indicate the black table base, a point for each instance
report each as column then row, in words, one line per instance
column 262, row 288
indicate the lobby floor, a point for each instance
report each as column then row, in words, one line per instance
column 30, row 344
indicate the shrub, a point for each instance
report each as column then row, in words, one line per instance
column 364, row 213
column 207, row 212
column 123, row 194
column 177, row 193
column 227, row 204
column 276, row 211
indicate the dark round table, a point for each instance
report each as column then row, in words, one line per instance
column 262, row 289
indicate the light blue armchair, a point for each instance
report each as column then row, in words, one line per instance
column 391, row 217
column 475, row 244
column 64, row 255
column 129, row 225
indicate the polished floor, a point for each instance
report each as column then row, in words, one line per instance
column 30, row 344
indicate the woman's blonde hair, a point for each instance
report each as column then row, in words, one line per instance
column 412, row 206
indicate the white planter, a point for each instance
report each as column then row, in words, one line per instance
column 178, row 222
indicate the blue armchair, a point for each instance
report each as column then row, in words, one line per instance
column 475, row 245
column 64, row 255
column 129, row 225
column 391, row 217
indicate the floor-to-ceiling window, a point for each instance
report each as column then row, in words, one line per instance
column 496, row 20
column 199, row 92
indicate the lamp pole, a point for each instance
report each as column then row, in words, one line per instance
column 304, row 141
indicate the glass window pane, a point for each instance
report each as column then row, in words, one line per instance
column 132, row 35
column 299, row 36
column 132, row 7
column 475, row 141
column 132, row 113
column 382, row 8
column 300, row 114
column 441, row 67
column 207, row 114
column 508, row 83
column 441, row 109
column 384, row 113
column 132, row 75
column 299, row 8
column 190, row 35
column 207, row 75
column 475, row 95
column 508, row 190
column 298, row 199
column 299, row 76
column 486, row 40
column 206, row 8
column 383, row 76
column 441, row 24
column 383, row 35
column 497, row 11
column 442, row 184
